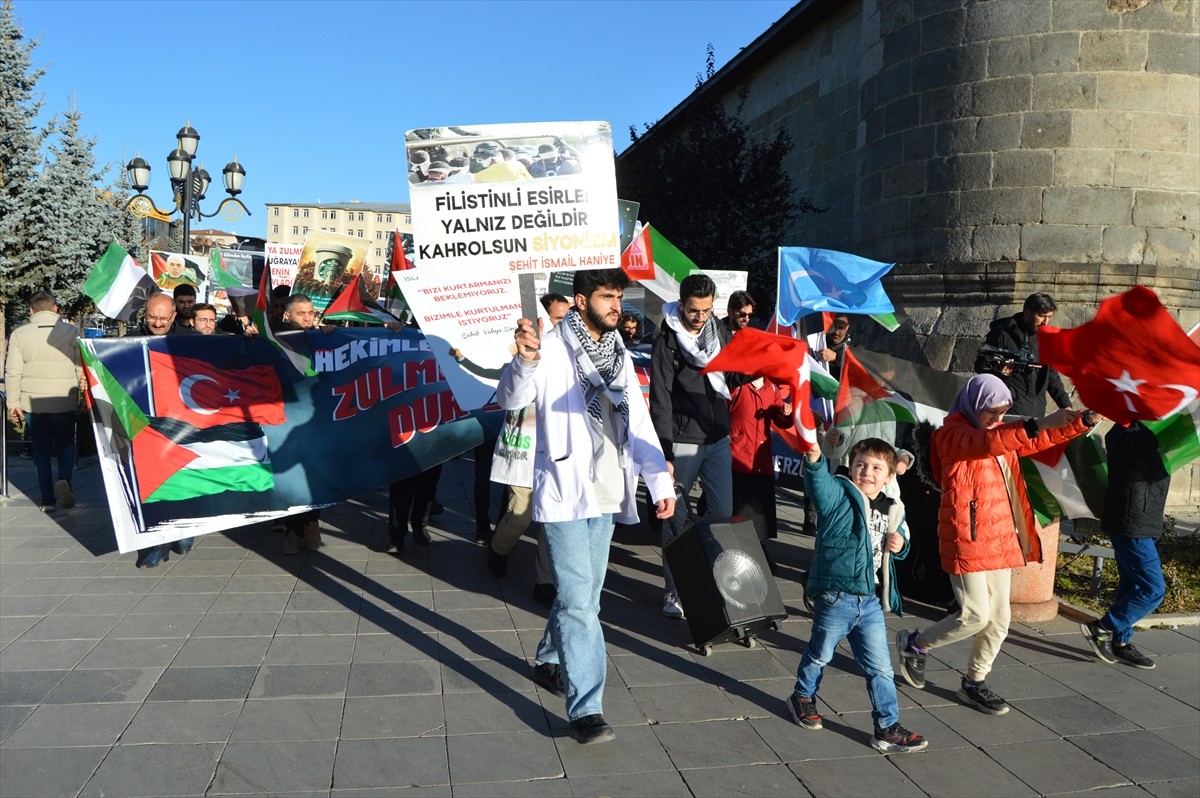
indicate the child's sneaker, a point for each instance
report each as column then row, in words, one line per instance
column 804, row 711
column 912, row 662
column 897, row 740
column 980, row 696
column 1099, row 639
column 1130, row 655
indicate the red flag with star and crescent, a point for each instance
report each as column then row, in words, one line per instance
column 198, row 393
column 1131, row 362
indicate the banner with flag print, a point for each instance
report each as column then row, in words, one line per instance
column 203, row 433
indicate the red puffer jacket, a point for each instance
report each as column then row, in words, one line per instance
column 752, row 413
column 976, row 529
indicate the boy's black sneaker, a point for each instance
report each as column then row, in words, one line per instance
column 548, row 676
column 591, row 729
column 982, row 698
column 1130, row 655
column 804, row 712
column 898, row 740
column 912, row 663
column 1099, row 640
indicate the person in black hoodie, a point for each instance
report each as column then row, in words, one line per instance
column 1133, row 520
column 1018, row 333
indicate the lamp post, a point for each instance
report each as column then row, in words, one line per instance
column 188, row 185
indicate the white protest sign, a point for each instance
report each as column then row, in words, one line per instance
column 284, row 261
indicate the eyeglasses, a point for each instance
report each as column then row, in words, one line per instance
column 697, row 314
column 744, row 314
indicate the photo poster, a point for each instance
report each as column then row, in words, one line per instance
column 284, row 262
column 170, row 269
column 481, row 220
column 328, row 263
column 240, row 265
column 727, row 282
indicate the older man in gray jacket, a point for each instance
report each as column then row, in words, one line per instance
column 41, row 378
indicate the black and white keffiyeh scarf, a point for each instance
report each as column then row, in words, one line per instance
column 697, row 349
column 601, row 369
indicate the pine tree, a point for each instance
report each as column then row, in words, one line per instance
column 127, row 229
column 70, row 225
column 20, row 157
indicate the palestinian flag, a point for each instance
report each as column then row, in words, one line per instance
column 176, row 462
column 218, row 274
column 353, row 304
column 924, row 393
column 670, row 266
column 118, row 285
column 1178, row 437
column 1068, row 481
column 301, row 361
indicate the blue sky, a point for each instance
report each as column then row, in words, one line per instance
column 281, row 84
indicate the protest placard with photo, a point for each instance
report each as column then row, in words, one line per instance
column 170, row 269
column 328, row 263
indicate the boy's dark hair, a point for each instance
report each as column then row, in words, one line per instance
column 739, row 300
column 697, row 284
column 878, row 447
column 1040, row 303
column 184, row 289
column 549, row 299
column 589, row 281
column 199, row 306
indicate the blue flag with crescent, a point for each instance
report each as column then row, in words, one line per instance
column 826, row 281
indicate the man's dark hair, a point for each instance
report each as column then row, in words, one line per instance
column 550, row 299
column 42, row 300
column 1040, row 303
column 296, row 299
column 589, row 281
column 878, row 447
column 184, row 289
column 739, row 300
column 199, row 306
column 629, row 315
column 697, row 284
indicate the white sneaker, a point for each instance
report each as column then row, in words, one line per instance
column 66, row 498
column 671, row 606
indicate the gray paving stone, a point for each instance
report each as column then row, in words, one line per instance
column 374, row 764
column 791, row 743
column 117, row 585
column 400, row 678
column 164, row 603
column 188, row 722
column 1182, row 788
column 1072, row 715
column 745, row 780
column 874, row 775
column 555, row 788
column 237, row 624
column 1139, row 755
column 28, row 687
column 311, row 649
column 390, row 648
column 176, row 584
column 1165, row 642
column 983, row 730
column 1054, row 766
column 274, row 768
column 48, row 772
column 203, row 684
column 313, row 601
column 958, row 772
column 394, row 716
column 291, row 681
column 1015, row 682
column 28, row 655
column 135, row 653
column 250, row 603
column 280, row 583
column 56, row 569
column 56, row 586
column 684, row 703
column 12, row 716
column 1091, row 677
column 1149, row 708
column 72, row 627
column 106, row 685
column 223, row 651
column 317, row 623
column 721, row 743
column 271, row 720
column 477, row 758
column 16, row 606
column 53, row 725
column 491, row 676
column 481, row 645
column 660, row 669
column 483, row 713
column 1185, row 738
column 172, row 624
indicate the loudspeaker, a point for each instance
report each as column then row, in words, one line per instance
column 724, row 582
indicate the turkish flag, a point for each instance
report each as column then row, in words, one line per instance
column 637, row 261
column 1131, row 362
column 198, row 393
column 780, row 359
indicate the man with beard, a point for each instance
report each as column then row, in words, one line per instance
column 1018, row 333
column 185, row 301
column 690, row 410
column 594, row 437
column 739, row 311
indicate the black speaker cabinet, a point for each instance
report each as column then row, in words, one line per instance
column 724, row 582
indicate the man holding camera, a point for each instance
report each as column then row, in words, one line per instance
column 1028, row 382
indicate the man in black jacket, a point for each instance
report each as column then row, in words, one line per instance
column 1133, row 520
column 1018, row 333
column 690, row 410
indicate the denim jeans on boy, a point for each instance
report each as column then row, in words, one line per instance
column 52, row 434
column 574, row 639
column 1141, row 588
column 860, row 619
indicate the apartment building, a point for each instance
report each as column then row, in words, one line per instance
column 289, row 223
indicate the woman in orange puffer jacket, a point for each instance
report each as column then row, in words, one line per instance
column 985, row 526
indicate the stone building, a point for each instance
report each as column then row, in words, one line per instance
column 991, row 148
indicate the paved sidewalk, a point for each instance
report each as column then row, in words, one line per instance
column 235, row 670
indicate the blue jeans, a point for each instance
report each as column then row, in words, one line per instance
column 52, row 433
column 1140, row 585
column 713, row 464
column 859, row 619
column 574, row 639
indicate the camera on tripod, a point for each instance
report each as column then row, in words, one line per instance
column 1002, row 362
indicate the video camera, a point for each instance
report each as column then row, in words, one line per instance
column 994, row 360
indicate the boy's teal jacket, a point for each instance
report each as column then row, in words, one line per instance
column 842, row 559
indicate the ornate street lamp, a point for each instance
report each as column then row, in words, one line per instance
column 188, row 185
